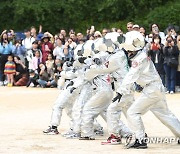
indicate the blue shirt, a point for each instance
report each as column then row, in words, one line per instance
column 7, row 49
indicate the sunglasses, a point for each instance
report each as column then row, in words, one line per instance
column 129, row 27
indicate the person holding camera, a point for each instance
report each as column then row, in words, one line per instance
column 156, row 54
column 19, row 49
column 69, row 50
column 171, row 54
column 5, row 51
column 155, row 30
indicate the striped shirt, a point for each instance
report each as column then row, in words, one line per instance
column 10, row 68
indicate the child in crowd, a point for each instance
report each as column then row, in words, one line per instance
column 50, row 66
column 36, row 60
column 33, row 77
column 10, row 70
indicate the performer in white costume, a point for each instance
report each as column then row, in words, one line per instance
column 152, row 97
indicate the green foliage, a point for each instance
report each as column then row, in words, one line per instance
column 80, row 14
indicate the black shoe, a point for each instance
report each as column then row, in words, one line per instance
column 179, row 141
column 138, row 145
column 86, row 138
column 51, row 131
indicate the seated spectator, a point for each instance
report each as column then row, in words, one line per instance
column 21, row 76
column 170, row 51
column 47, row 47
column 58, row 51
column 44, row 80
column 33, row 78
column 156, row 55
column 19, row 50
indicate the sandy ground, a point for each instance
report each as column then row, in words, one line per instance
column 25, row 113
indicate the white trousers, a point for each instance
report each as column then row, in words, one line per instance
column 64, row 100
column 95, row 105
column 115, row 125
column 153, row 99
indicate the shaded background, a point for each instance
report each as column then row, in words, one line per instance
column 54, row 15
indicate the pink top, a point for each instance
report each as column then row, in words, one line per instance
column 35, row 62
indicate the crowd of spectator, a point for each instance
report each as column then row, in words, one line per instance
column 37, row 59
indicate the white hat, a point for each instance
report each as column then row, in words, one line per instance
column 135, row 26
column 134, row 41
column 97, row 33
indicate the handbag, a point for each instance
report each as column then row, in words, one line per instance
column 172, row 62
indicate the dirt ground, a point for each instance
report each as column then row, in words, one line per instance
column 25, row 113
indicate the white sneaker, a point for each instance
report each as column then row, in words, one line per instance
column 1, row 83
column 171, row 92
column 167, row 92
column 5, row 82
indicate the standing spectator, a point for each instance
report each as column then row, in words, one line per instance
column 73, row 37
column 63, row 32
column 10, row 70
column 113, row 29
column 5, row 50
column 120, row 31
column 79, row 37
column 136, row 27
column 104, row 31
column 142, row 31
column 61, row 36
column 69, row 50
column 171, row 32
column 97, row 34
column 35, row 47
column 19, row 50
column 178, row 70
column 27, row 42
column 50, row 66
column 36, row 60
column 11, row 36
column 34, row 32
column 156, row 55
column 47, row 47
column 155, row 30
column 58, row 51
column 21, row 76
column 129, row 26
column 170, row 52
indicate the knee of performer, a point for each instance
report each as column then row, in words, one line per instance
column 57, row 108
column 130, row 112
